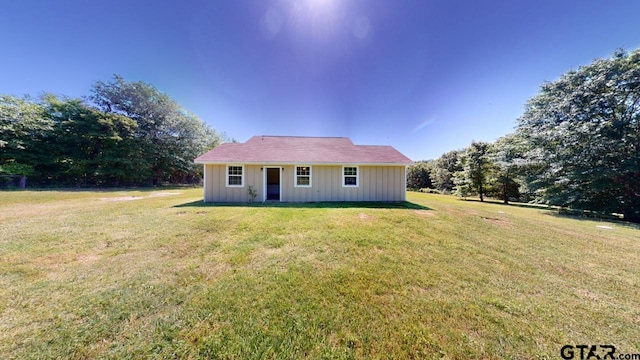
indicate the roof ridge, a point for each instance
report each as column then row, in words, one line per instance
column 313, row 137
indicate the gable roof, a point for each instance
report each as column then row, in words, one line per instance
column 301, row 150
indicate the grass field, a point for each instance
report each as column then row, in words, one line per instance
column 156, row 274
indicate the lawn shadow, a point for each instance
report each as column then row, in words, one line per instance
column 560, row 212
column 592, row 216
column 510, row 203
column 81, row 189
column 313, row 205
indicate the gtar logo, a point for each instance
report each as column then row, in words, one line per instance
column 585, row 352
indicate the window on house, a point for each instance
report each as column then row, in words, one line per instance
column 350, row 176
column 235, row 176
column 303, row 176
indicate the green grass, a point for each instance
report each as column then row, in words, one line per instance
column 157, row 274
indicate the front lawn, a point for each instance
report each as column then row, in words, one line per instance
column 155, row 274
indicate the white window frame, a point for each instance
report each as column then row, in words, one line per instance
column 295, row 176
column 226, row 175
column 357, row 176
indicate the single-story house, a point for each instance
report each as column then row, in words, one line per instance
column 303, row 169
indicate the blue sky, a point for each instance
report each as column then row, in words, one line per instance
column 423, row 76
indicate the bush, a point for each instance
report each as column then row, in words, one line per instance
column 430, row 191
column 12, row 182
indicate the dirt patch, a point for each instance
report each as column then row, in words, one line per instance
column 586, row 294
column 122, row 198
column 495, row 221
column 164, row 194
column 604, row 227
column 85, row 259
column 365, row 217
column 55, row 260
column 423, row 212
column 131, row 198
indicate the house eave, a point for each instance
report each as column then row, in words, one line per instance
column 276, row 163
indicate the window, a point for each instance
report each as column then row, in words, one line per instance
column 235, row 176
column 302, row 176
column 350, row 176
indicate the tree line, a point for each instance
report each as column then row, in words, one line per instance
column 122, row 134
column 577, row 145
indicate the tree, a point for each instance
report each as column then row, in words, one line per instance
column 475, row 170
column 584, row 134
column 168, row 137
column 443, row 170
column 507, row 156
column 89, row 147
column 418, row 175
column 24, row 126
column 134, row 135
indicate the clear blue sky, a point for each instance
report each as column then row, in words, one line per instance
column 424, row 76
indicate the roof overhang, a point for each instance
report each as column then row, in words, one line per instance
column 272, row 163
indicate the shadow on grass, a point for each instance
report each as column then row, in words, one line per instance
column 560, row 212
column 590, row 215
column 313, row 205
column 106, row 189
column 500, row 202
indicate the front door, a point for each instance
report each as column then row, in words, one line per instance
column 273, row 184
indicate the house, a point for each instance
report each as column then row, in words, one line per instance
column 303, row 169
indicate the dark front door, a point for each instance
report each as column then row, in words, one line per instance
column 273, row 184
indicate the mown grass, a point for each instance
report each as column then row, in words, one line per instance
column 156, row 274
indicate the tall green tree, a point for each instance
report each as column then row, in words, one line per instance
column 24, row 126
column 90, row 147
column 419, row 175
column 507, row 154
column 169, row 138
column 584, row 133
column 444, row 169
column 476, row 167
column 134, row 135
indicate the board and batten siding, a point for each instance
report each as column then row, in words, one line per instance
column 216, row 190
column 375, row 183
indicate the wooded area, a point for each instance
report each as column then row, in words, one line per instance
column 577, row 145
column 122, row 134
